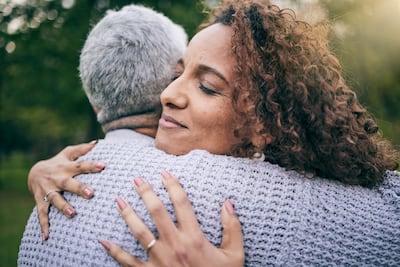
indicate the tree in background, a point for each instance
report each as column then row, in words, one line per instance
column 43, row 107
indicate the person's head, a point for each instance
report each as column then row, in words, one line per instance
column 128, row 58
column 257, row 80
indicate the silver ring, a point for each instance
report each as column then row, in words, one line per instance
column 150, row 245
column 46, row 197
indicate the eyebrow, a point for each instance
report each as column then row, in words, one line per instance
column 205, row 68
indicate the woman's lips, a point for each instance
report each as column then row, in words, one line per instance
column 167, row 122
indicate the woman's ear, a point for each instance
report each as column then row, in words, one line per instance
column 96, row 111
column 261, row 140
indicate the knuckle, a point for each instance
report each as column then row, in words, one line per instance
column 197, row 240
column 145, row 188
column 67, row 149
column 180, row 253
column 63, row 183
column 155, row 207
column 180, row 199
column 78, row 164
column 140, row 233
column 81, row 187
column 63, row 207
column 52, row 197
column 127, row 214
column 42, row 210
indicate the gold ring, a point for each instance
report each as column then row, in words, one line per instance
column 150, row 245
column 46, row 197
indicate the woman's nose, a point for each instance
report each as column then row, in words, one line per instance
column 173, row 96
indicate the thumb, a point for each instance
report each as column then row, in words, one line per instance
column 232, row 238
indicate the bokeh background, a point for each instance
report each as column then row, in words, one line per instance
column 43, row 107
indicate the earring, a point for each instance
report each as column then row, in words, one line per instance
column 258, row 156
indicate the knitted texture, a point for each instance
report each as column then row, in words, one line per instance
column 287, row 219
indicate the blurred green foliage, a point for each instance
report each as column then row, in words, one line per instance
column 368, row 43
column 43, row 108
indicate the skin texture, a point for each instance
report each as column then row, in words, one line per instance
column 197, row 106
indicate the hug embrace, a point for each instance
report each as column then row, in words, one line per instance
column 253, row 115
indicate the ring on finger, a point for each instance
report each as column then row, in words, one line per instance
column 46, row 197
column 149, row 246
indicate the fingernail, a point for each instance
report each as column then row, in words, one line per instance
column 138, row 181
column 229, row 207
column 165, row 175
column 100, row 166
column 69, row 212
column 105, row 244
column 87, row 192
column 121, row 203
column 93, row 142
column 45, row 236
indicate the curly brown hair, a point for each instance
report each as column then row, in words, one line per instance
column 288, row 85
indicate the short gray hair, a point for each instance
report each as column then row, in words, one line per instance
column 127, row 61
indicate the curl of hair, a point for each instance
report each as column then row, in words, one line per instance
column 288, row 85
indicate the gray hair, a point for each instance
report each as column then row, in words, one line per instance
column 127, row 61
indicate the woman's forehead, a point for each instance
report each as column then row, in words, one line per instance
column 211, row 47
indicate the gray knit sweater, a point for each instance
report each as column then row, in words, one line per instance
column 288, row 219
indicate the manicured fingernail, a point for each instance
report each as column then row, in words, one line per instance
column 100, row 166
column 165, row 175
column 87, row 192
column 45, row 236
column 138, row 181
column 229, row 207
column 69, row 212
column 121, row 203
column 105, row 244
column 93, row 142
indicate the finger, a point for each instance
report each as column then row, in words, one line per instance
column 76, row 151
column 73, row 168
column 183, row 208
column 121, row 256
column 166, row 228
column 58, row 201
column 139, row 230
column 84, row 166
column 232, row 238
column 77, row 187
column 43, row 217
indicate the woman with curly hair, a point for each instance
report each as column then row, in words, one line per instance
column 289, row 90
column 257, row 83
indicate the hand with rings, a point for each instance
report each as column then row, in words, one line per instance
column 182, row 245
column 48, row 178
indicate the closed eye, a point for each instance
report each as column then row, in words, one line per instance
column 208, row 91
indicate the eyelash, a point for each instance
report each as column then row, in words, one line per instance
column 207, row 90
column 175, row 77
